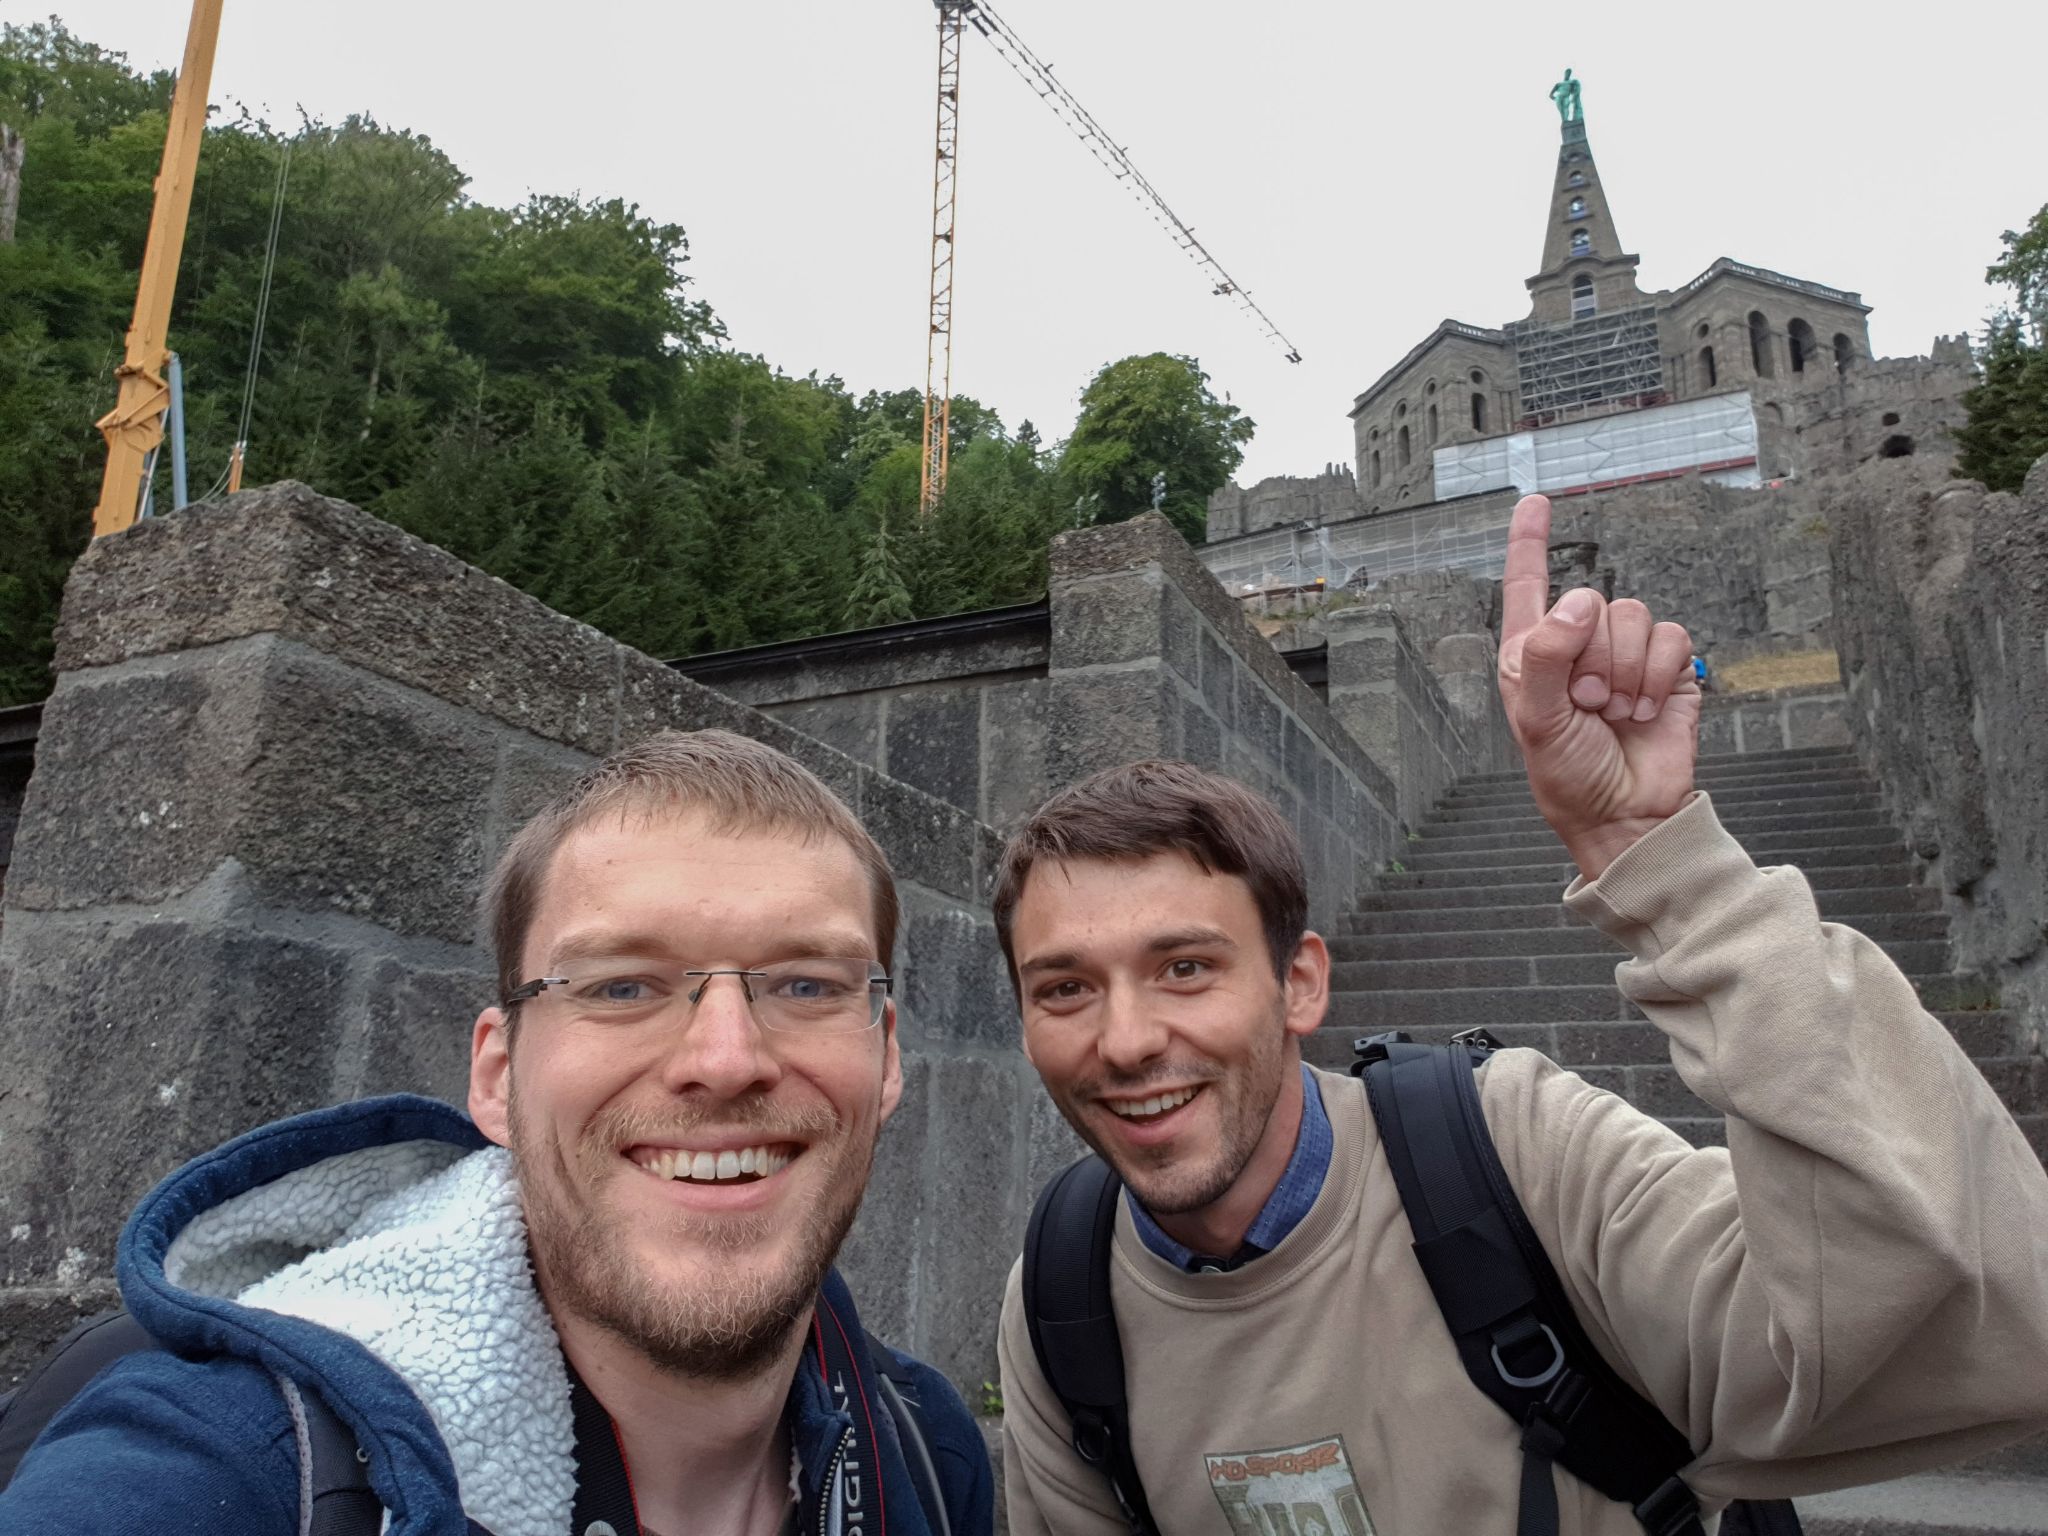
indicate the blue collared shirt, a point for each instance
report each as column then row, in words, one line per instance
column 1284, row 1208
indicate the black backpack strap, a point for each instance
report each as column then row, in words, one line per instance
column 1073, row 1328
column 898, row 1391
column 1513, row 1323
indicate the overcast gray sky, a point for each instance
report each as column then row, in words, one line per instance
column 1364, row 170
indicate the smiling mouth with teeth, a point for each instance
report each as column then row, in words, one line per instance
column 744, row 1165
column 1145, row 1109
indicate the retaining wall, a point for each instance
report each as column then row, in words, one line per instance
column 286, row 743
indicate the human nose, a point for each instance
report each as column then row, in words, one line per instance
column 1133, row 1032
column 718, row 1047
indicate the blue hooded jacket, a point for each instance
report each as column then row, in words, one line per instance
column 374, row 1254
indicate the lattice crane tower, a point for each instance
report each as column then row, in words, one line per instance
column 938, row 357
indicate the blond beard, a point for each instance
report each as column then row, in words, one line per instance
column 735, row 1322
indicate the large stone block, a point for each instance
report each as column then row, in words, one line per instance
column 531, row 775
column 1013, row 723
column 882, row 1259
column 1101, row 620
column 976, row 1125
column 955, row 988
column 415, row 1031
column 365, row 799
column 332, row 790
column 127, row 1051
column 927, row 840
column 934, row 743
column 852, row 723
column 142, row 784
column 285, row 560
column 1098, row 719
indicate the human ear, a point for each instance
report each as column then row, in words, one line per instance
column 1307, row 985
column 490, row 1075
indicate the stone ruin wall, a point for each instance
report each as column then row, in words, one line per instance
column 1943, row 634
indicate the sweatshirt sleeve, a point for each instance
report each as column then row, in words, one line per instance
column 1046, row 1485
column 147, row 1448
column 1857, row 1287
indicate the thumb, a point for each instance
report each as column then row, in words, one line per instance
column 1544, row 707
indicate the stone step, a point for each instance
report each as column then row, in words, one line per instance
column 1914, row 929
column 1720, row 765
column 1859, row 868
column 1728, row 794
column 1405, row 1007
column 1845, row 903
column 1777, row 803
column 1590, row 1045
column 1739, row 825
column 1953, row 1503
column 1801, row 833
column 1382, row 973
column 1845, row 781
column 1810, row 850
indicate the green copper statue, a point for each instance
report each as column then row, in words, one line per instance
column 1566, row 94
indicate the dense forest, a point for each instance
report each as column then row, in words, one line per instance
column 539, row 389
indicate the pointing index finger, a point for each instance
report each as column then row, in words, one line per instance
column 1525, row 585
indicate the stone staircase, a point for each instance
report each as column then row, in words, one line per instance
column 1467, row 930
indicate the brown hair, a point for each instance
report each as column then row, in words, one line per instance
column 1153, row 807
column 740, row 784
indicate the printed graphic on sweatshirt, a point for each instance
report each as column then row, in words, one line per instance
column 1301, row 1490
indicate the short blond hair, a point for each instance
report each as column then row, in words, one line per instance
column 740, row 784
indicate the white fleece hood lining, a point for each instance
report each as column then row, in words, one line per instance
column 418, row 1252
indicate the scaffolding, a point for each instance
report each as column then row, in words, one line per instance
column 1469, row 534
column 1590, row 366
column 1714, row 436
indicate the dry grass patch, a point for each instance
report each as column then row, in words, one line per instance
column 1798, row 670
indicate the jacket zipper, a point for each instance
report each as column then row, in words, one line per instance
column 828, row 1490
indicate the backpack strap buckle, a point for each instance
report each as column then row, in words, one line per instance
column 1371, row 1048
column 1670, row 1511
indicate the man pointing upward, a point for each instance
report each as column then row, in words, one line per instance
column 1855, row 1288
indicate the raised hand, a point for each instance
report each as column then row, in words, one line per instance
column 1602, row 702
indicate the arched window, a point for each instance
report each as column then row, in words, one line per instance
column 1707, row 368
column 1760, row 346
column 1704, row 331
column 1401, row 410
column 1429, row 388
column 1582, row 243
column 1432, row 425
column 1578, row 209
column 1578, row 179
column 1845, row 352
column 1583, row 302
column 1401, row 454
column 1801, row 342
column 1478, row 411
column 1375, row 469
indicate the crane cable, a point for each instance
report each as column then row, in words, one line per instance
column 1039, row 76
column 233, row 477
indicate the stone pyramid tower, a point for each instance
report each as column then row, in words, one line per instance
column 1584, row 269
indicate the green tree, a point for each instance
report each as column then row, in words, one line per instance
column 1146, row 416
column 2007, row 428
column 879, row 595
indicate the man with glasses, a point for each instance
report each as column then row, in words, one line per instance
column 607, row 1305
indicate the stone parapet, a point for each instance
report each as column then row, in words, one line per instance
column 1774, row 719
column 1151, row 658
column 1941, row 622
column 286, row 743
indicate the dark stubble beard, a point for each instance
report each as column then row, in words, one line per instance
column 726, row 1323
column 1244, row 1107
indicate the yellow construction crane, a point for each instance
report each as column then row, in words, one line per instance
column 134, row 428
column 954, row 16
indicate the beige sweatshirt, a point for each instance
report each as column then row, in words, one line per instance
column 1857, row 1288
